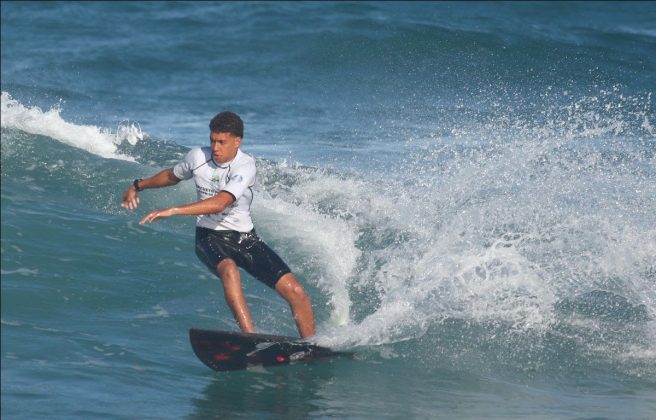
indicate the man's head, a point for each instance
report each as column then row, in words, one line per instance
column 227, row 122
column 226, row 131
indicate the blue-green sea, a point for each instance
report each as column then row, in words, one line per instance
column 466, row 190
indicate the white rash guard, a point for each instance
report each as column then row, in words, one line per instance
column 236, row 177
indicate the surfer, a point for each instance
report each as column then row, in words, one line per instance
column 225, row 235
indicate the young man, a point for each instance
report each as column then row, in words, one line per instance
column 225, row 238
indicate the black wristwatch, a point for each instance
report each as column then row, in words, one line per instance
column 136, row 184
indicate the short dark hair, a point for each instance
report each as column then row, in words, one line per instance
column 227, row 122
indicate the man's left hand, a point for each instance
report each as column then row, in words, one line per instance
column 156, row 215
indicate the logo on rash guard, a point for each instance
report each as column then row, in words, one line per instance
column 236, row 178
column 216, row 178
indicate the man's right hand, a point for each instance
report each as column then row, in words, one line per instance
column 130, row 199
column 163, row 178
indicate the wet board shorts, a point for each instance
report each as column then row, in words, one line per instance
column 246, row 249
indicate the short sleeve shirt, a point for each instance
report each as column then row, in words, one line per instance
column 236, row 177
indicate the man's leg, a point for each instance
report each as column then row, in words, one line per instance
column 234, row 294
column 299, row 302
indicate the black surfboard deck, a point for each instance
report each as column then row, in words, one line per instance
column 225, row 350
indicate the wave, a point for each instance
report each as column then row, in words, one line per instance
column 520, row 243
column 101, row 142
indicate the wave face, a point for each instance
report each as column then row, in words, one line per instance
column 467, row 193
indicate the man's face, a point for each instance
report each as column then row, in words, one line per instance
column 224, row 146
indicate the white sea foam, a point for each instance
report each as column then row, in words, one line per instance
column 159, row 312
column 99, row 141
column 22, row 271
column 492, row 232
column 329, row 243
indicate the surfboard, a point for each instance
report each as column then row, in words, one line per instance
column 226, row 350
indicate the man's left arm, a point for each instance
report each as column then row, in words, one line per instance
column 211, row 205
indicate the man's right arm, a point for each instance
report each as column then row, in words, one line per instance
column 164, row 178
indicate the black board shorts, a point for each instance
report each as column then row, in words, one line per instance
column 247, row 250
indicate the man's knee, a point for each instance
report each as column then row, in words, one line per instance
column 291, row 289
column 227, row 269
column 226, row 265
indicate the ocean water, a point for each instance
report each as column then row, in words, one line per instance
column 467, row 191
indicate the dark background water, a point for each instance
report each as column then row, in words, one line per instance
column 466, row 190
